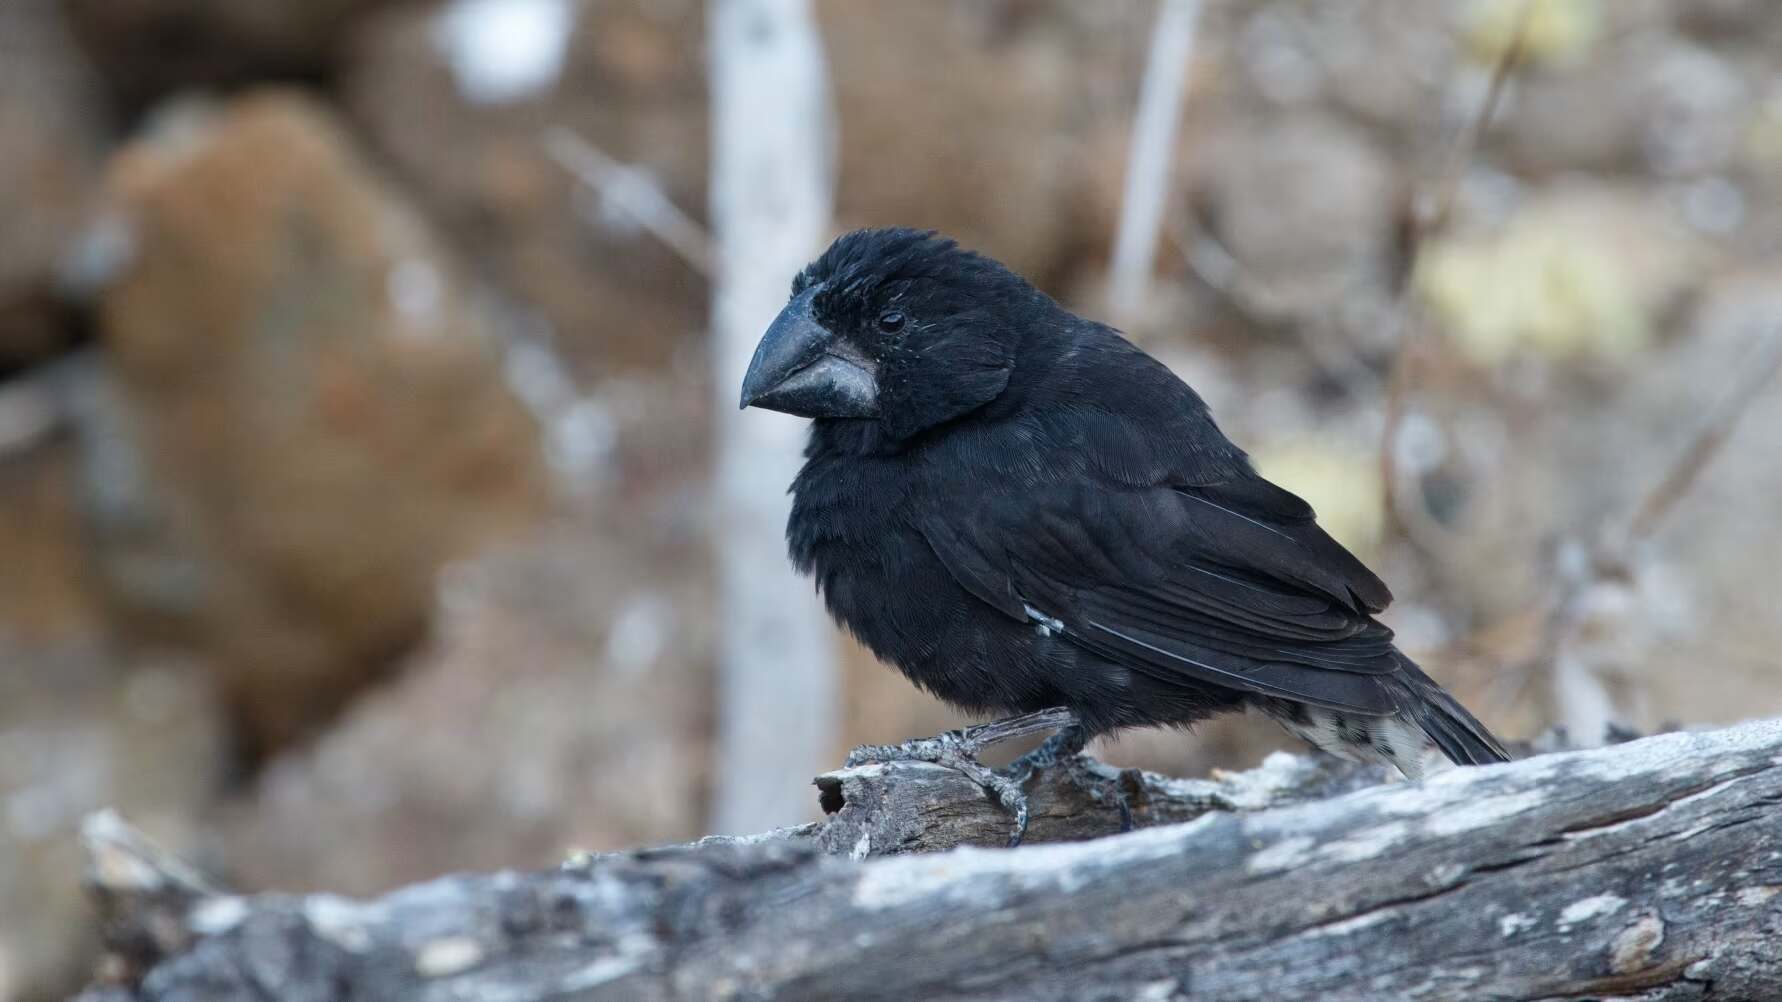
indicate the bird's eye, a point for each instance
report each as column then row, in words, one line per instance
column 891, row 321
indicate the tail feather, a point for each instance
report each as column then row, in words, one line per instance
column 1454, row 730
column 1427, row 717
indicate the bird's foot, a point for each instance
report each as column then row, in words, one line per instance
column 1100, row 786
column 1065, row 749
column 958, row 750
column 1067, row 743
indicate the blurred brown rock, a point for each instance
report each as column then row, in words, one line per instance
column 1751, row 24
column 996, row 122
column 1302, row 206
column 52, row 131
column 1382, row 61
column 1685, row 118
column 1297, row 195
column 46, row 592
column 303, row 416
column 79, row 732
column 632, row 83
column 148, row 49
column 561, row 704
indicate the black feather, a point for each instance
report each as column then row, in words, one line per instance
column 1043, row 515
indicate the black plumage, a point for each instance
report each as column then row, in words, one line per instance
column 1020, row 509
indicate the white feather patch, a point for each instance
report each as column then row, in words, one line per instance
column 1394, row 741
column 1047, row 625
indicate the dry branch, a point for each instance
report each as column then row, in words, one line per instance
column 1650, row 870
column 1148, row 161
column 636, row 195
column 1613, row 555
column 1430, row 214
column 770, row 201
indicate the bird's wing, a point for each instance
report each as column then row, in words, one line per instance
column 1230, row 584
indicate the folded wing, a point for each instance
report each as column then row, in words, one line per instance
column 1231, row 584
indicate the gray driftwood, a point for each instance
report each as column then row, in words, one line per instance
column 1649, row 870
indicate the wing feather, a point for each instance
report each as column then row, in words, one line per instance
column 1231, row 588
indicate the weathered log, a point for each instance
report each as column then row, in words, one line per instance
column 1650, row 870
column 878, row 810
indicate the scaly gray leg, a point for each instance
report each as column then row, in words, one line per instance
column 959, row 750
column 1066, row 747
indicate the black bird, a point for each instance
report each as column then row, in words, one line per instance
column 1026, row 514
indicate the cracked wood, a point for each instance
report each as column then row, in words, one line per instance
column 1650, row 870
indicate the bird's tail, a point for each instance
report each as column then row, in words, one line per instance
column 1454, row 730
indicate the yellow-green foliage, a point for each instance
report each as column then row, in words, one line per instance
column 1539, row 285
column 1339, row 478
column 1559, row 31
column 1763, row 137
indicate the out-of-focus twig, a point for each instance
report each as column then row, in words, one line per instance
column 643, row 201
column 1706, row 444
column 1148, row 163
column 123, row 861
column 1434, row 216
column 1255, row 299
column 1428, row 217
column 1612, row 555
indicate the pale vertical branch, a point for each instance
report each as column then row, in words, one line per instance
column 1148, row 162
column 771, row 188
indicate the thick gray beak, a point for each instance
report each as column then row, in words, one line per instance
column 801, row 368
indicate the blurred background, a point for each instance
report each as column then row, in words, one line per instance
column 372, row 498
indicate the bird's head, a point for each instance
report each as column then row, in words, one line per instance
column 897, row 326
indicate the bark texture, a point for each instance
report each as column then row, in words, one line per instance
column 1648, row 870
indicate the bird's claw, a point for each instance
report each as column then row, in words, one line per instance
column 1100, row 787
column 1066, row 748
column 1019, row 809
column 958, row 750
column 1067, row 743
